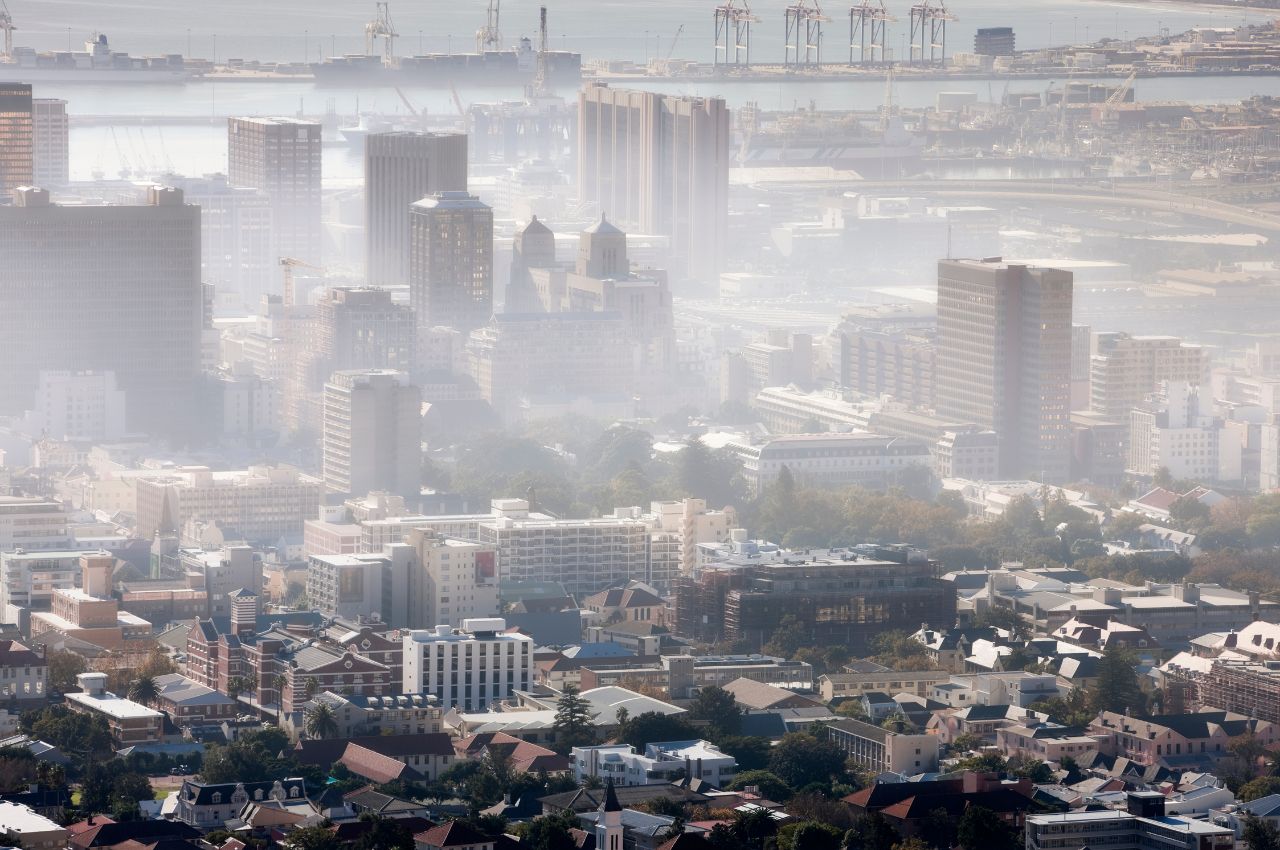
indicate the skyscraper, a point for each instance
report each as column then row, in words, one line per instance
column 1004, row 360
column 451, row 261
column 372, row 426
column 51, row 154
column 15, row 136
column 108, row 288
column 659, row 164
column 399, row 169
column 281, row 156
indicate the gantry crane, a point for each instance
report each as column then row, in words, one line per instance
column 929, row 32
column 6, row 24
column 489, row 37
column 288, row 264
column 804, row 33
column 867, row 31
column 381, row 28
column 733, row 33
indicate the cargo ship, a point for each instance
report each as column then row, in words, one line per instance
column 517, row 66
column 97, row 63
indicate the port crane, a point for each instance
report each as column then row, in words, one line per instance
column 804, row 33
column 867, row 31
column 733, row 33
column 288, row 264
column 6, row 24
column 929, row 32
column 381, row 28
column 489, row 37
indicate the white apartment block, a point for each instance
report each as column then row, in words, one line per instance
column 261, row 503
column 470, row 668
column 370, row 587
column 28, row 579
column 452, row 580
column 660, row 762
column 77, row 406
column 1179, row 432
column 831, row 460
column 584, row 555
column 32, row 523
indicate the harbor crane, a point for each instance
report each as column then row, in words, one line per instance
column 381, row 28
column 929, row 32
column 804, row 33
column 6, row 24
column 867, row 31
column 288, row 264
column 733, row 33
column 489, row 37
column 541, row 85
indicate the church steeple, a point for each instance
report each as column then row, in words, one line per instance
column 609, row 825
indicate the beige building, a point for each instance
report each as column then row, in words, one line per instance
column 32, row 523
column 400, row 169
column 659, row 164
column 90, row 612
column 372, row 433
column 130, row 722
column 261, row 503
column 1004, row 360
column 1124, row 370
column 21, row 826
column 281, row 156
column 451, row 580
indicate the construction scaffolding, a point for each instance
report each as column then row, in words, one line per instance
column 804, row 33
column 929, row 33
column 867, row 32
column 733, row 33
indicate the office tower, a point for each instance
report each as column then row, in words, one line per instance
column 281, row 156
column 51, row 152
column 371, row 432
column 106, row 288
column 1124, row 369
column 239, row 259
column 1004, row 360
column 399, row 169
column 15, row 136
column 358, row 328
column 659, row 164
column 451, row 261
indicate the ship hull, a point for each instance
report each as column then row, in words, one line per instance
column 445, row 70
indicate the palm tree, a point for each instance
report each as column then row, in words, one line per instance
column 310, row 688
column 144, row 690
column 278, row 681
column 321, row 722
column 236, row 685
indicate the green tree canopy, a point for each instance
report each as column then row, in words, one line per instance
column 573, row 723
column 801, row 759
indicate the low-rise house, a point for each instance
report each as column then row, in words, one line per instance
column 191, row 704
column 982, row 721
column 384, row 805
column 1012, row 688
column 635, row 603
column 129, row 722
column 454, row 835
column 882, row 750
column 209, row 806
column 948, row 648
column 1050, row 742
column 666, row 761
column 22, row 827
column 103, row 832
column 522, row 756
column 1234, row 815
column 590, row 799
column 427, row 756
column 906, row 805
column 1188, row 740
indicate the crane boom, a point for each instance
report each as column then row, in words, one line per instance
column 6, row 24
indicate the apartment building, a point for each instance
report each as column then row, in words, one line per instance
column 452, row 580
column 1142, row 827
column 32, row 524
column 372, row 433
column 1124, row 369
column 666, row 761
column 469, row 668
column 582, row 555
column 881, row 750
column 831, row 460
column 258, row 504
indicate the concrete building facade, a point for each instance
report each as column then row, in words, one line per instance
column 281, row 156
column 372, row 432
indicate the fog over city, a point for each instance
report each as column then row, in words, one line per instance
column 660, row 425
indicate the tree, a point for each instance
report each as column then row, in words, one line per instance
column 278, row 682
column 718, row 707
column 1260, row 834
column 800, row 759
column 966, row 743
column 573, row 725
column 312, row 838
column 1249, row 751
column 754, row 828
column 144, row 690
column 809, row 835
column 236, row 685
column 1263, row 786
column 64, row 666
column 750, row 753
column 769, row 784
column 549, row 832
column 383, row 834
column 320, row 722
column 871, row 831
column 982, row 829
column 787, row 638
column 652, row 727
column 1117, row 687
column 311, row 688
column 938, row 829
column 912, row 843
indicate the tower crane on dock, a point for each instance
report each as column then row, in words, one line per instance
column 6, row 24
column 381, row 28
column 489, row 37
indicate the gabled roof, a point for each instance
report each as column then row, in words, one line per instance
column 452, row 834
column 375, row 766
column 623, row 597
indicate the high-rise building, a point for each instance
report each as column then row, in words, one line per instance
column 451, row 261
column 16, row 136
column 359, row 328
column 659, row 164
column 281, row 156
column 1004, row 360
column 451, row 580
column 534, row 247
column 238, row 256
column 399, row 169
column 469, row 668
column 107, row 288
column 50, row 134
column 372, row 426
